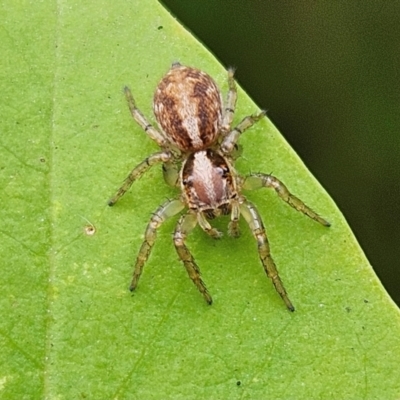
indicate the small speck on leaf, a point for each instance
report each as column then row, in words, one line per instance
column 90, row 230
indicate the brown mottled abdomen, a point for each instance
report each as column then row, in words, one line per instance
column 188, row 107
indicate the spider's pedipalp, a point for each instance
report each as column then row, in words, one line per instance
column 206, row 226
column 233, row 227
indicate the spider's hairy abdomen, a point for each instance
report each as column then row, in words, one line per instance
column 188, row 108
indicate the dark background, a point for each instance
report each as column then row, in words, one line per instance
column 328, row 73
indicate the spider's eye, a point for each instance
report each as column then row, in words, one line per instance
column 220, row 171
column 187, row 181
column 223, row 171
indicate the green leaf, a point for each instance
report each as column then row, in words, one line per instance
column 69, row 327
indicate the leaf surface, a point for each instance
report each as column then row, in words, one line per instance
column 69, row 326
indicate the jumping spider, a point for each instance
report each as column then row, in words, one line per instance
column 198, row 151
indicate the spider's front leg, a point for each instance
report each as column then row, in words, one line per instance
column 185, row 225
column 138, row 171
column 165, row 211
column 257, row 181
column 253, row 218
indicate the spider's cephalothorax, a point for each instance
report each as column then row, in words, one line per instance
column 207, row 182
column 198, row 150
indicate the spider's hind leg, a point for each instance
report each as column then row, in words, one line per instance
column 137, row 115
column 229, row 142
column 230, row 103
